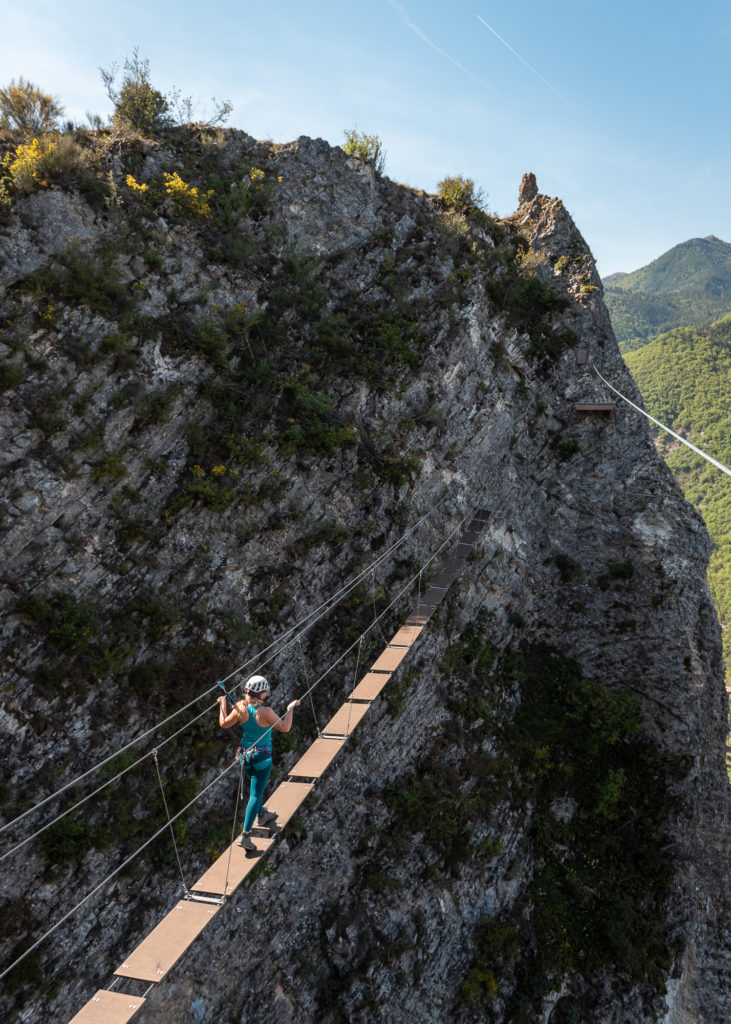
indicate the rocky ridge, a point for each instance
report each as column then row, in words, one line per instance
column 210, row 424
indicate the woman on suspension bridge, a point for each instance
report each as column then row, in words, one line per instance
column 255, row 748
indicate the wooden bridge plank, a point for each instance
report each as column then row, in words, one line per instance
column 450, row 571
column 346, row 718
column 234, row 862
column 405, row 636
column 108, row 1008
column 419, row 617
column 314, row 761
column 287, row 798
column 431, row 597
column 390, row 659
column 156, row 954
column 370, row 685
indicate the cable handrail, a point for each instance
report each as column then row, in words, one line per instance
column 410, row 583
column 284, row 638
column 116, row 871
column 168, row 824
column 693, row 447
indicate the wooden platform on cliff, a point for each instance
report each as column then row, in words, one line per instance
column 604, row 410
column 154, row 957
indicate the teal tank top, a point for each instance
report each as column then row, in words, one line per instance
column 257, row 736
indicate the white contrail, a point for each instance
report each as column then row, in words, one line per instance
column 516, row 54
column 404, row 15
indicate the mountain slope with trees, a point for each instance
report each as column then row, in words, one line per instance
column 685, row 380
column 688, row 285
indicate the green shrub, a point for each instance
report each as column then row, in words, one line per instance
column 156, row 406
column 47, row 412
column 620, row 570
column 93, row 281
column 567, row 447
column 33, row 606
column 11, row 376
column 67, row 162
column 326, row 532
column 496, row 946
column 313, row 426
column 529, row 303
column 27, row 108
column 138, row 107
column 70, row 626
column 112, row 344
column 459, row 194
column 211, row 489
column 111, row 467
column 366, row 147
column 67, row 842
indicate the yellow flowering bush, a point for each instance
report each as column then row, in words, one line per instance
column 218, row 470
column 186, row 199
column 198, row 471
column 138, row 187
column 37, row 163
column 256, row 175
column 25, row 166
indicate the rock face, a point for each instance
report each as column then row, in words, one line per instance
column 211, row 422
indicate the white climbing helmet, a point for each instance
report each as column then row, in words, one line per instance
column 257, row 684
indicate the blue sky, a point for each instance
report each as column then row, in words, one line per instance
column 620, row 109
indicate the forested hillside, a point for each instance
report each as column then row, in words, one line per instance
column 688, row 285
column 685, row 380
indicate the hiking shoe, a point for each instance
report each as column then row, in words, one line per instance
column 246, row 842
column 266, row 819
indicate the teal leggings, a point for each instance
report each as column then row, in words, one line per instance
column 258, row 776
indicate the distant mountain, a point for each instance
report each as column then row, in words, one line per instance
column 686, row 286
column 700, row 264
column 685, row 380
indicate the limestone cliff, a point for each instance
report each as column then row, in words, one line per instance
column 221, row 404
